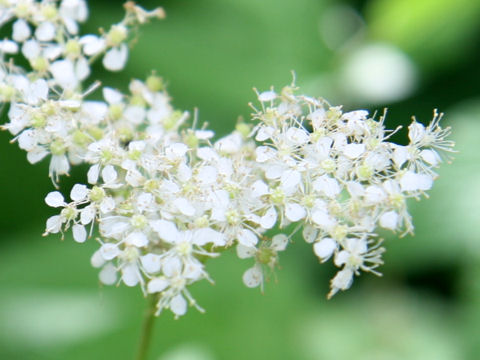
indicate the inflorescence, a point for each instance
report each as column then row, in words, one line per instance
column 165, row 196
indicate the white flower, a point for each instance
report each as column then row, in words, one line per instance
column 353, row 253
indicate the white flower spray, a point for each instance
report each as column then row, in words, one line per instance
column 165, row 196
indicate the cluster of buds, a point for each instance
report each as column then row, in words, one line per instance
column 162, row 196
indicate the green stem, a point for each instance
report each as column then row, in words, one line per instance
column 147, row 328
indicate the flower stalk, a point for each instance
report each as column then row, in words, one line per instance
column 147, row 328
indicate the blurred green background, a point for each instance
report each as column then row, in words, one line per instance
column 408, row 55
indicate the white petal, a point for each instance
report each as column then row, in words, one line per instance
column 178, row 305
column 79, row 233
column 79, row 192
column 274, row 171
column 109, row 174
column 207, row 175
column 204, row 134
column 54, row 224
column 357, row 246
column 259, row 188
column 92, row 44
column 39, row 90
column 355, row 189
column 267, row 96
column 430, row 156
column 225, row 167
column 297, row 136
column 55, row 199
column 411, row 181
column 290, row 179
column 229, row 144
column 245, row 252
column 317, row 117
column 206, row 153
column 176, row 151
column 137, row 238
column 116, row 58
column 253, row 277
column 135, row 114
column 400, row 155
column 172, row 267
column 97, row 259
column 107, row 205
column 112, row 96
column 416, row 132
column 64, row 73
column 343, row 280
column 309, row 233
column 109, row 251
column 193, row 270
column 374, row 194
column 167, row 230
column 59, row 165
column 114, row 226
column 247, row 237
column 134, row 178
column 184, row 206
column 294, row 212
column 207, row 235
column 45, row 31
column 357, row 115
column 27, row 140
column 108, row 275
column 82, row 69
column 37, row 154
column 389, row 220
column 130, row 275
column 327, row 185
column 93, row 173
column 341, row 258
column 8, row 47
column 264, row 133
column 268, row 220
column 157, row 285
column 31, row 49
column 265, row 153
column 279, row 242
column 52, row 52
column 322, row 219
column 21, row 31
column 353, row 151
column 87, row 214
column 324, row 248
column 151, row 263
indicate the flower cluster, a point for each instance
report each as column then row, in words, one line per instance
column 166, row 197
